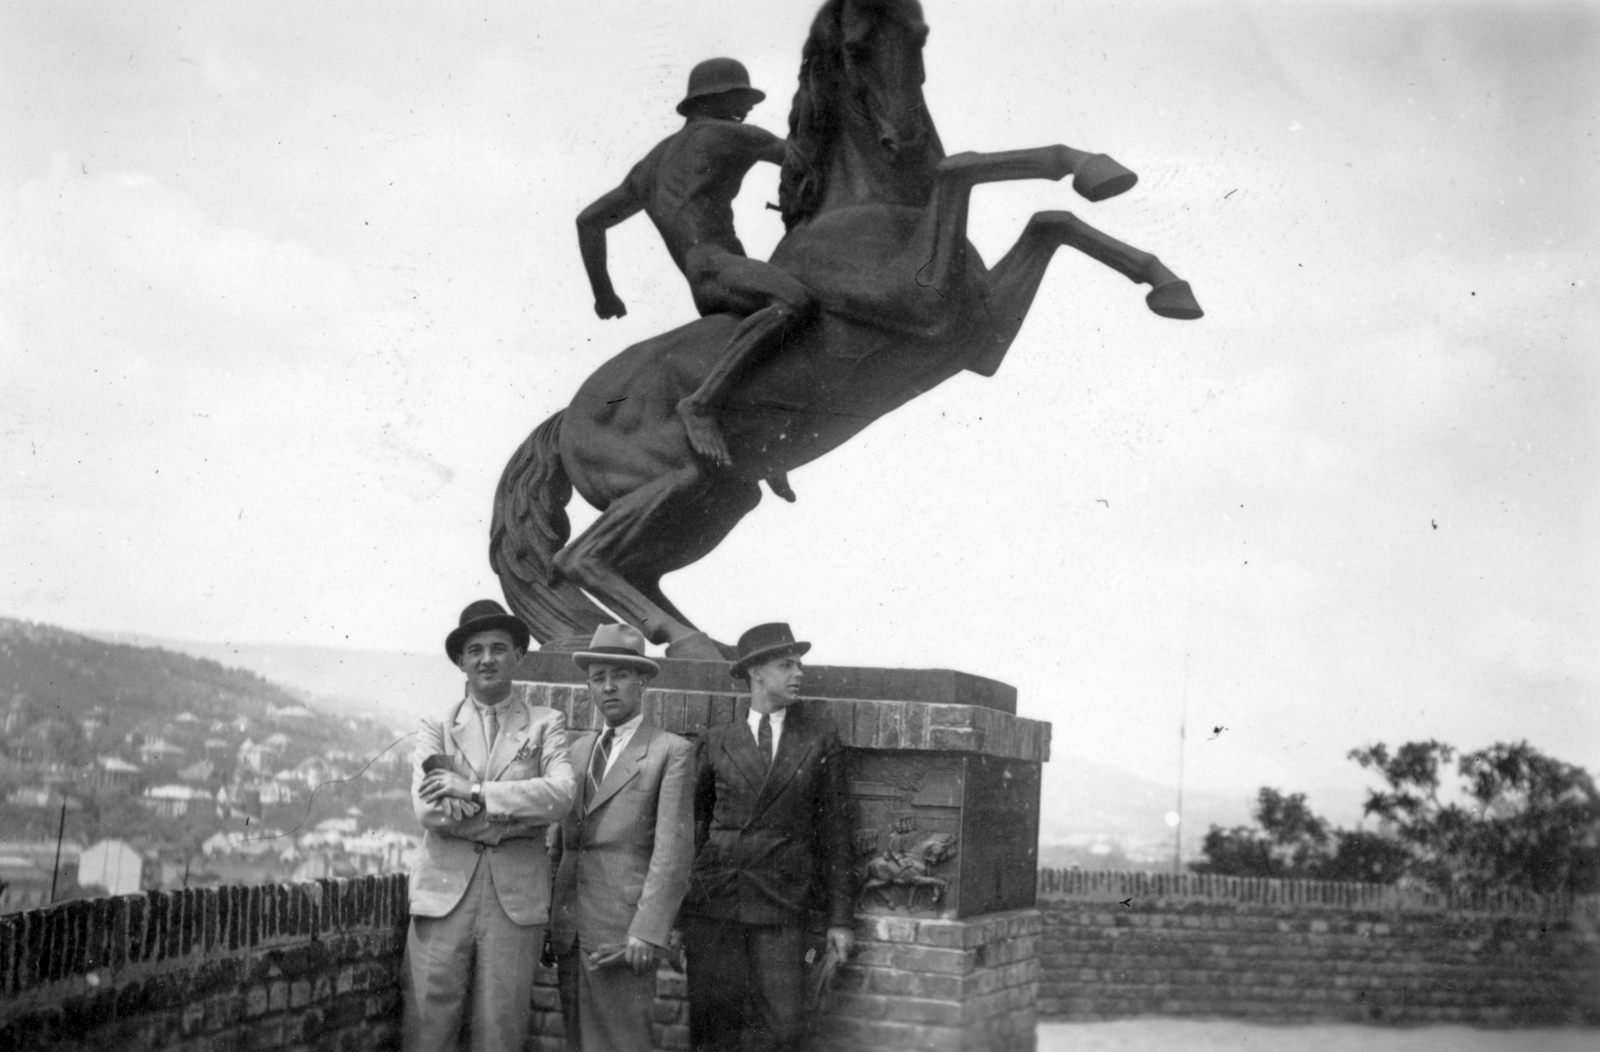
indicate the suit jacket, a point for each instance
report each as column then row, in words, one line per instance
column 624, row 856
column 773, row 844
column 527, row 784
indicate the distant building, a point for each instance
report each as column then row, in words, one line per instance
column 199, row 771
column 158, row 751
column 33, row 796
column 277, row 742
column 173, row 801
column 26, row 886
column 113, row 865
column 114, row 773
column 289, row 712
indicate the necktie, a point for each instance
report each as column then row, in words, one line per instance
column 491, row 721
column 602, row 756
column 764, row 739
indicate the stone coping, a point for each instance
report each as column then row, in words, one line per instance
column 1176, row 889
column 933, row 685
column 862, row 724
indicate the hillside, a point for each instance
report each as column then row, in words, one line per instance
column 167, row 749
column 148, row 692
column 392, row 687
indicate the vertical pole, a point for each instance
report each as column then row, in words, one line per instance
column 61, row 829
column 1183, row 737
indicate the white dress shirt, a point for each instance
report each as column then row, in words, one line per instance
column 620, row 736
column 754, row 719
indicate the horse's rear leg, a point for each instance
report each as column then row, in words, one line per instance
column 629, row 524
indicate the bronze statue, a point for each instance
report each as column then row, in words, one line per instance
column 876, row 218
column 686, row 185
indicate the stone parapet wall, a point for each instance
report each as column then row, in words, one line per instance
column 1124, row 944
column 916, row 726
column 313, row 965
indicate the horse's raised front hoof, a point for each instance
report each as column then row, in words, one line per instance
column 1174, row 299
column 1100, row 177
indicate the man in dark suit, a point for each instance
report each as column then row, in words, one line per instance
column 774, row 847
column 623, row 854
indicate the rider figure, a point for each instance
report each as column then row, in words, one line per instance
column 686, row 185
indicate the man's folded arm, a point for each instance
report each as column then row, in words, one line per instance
column 545, row 799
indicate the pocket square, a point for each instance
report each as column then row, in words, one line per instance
column 529, row 751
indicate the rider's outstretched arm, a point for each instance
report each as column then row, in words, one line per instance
column 593, row 222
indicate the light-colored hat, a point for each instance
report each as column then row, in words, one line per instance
column 617, row 645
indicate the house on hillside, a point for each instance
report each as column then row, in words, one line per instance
column 199, row 771
column 157, row 750
column 115, row 774
column 173, row 801
column 257, row 756
column 277, row 742
column 112, row 864
column 23, row 885
column 289, row 712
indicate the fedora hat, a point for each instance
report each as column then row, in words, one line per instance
column 764, row 643
column 718, row 76
column 616, row 645
column 485, row 615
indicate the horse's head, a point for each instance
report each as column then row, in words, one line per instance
column 861, row 80
column 880, row 48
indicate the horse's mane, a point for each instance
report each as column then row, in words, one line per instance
column 813, row 119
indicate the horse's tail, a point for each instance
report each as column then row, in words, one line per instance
column 529, row 527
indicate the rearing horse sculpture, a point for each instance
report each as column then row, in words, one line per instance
column 876, row 217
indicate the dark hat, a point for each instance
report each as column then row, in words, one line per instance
column 718, row 76
column 616, row 645
column 764, row 643
column 485, row 615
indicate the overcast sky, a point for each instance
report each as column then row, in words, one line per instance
column 283, row 285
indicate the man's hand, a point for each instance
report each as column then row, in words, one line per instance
column 640, row 955
column 841, row 941
column 609, row 305
column 438, row 785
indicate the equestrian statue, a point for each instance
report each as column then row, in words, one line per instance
column 873, row 297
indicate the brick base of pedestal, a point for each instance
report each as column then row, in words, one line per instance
column 939, row 985
column 958, row 976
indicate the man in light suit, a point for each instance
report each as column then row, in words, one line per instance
column 775, row 850
column 491, row 775
column 624, row 854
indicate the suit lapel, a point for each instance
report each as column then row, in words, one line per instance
column 793, row 748
column 467, row 731
column 740, row 746
column 508, row 742
column 625, row 766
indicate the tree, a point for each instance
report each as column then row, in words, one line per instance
column 1288, row 840
column 1523, row 820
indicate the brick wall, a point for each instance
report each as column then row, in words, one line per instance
column 914, row 726
column 303, row 965
column 1124, row 944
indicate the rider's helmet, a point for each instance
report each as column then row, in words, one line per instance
column 718, row 76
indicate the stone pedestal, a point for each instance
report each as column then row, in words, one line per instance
column 944, row 795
